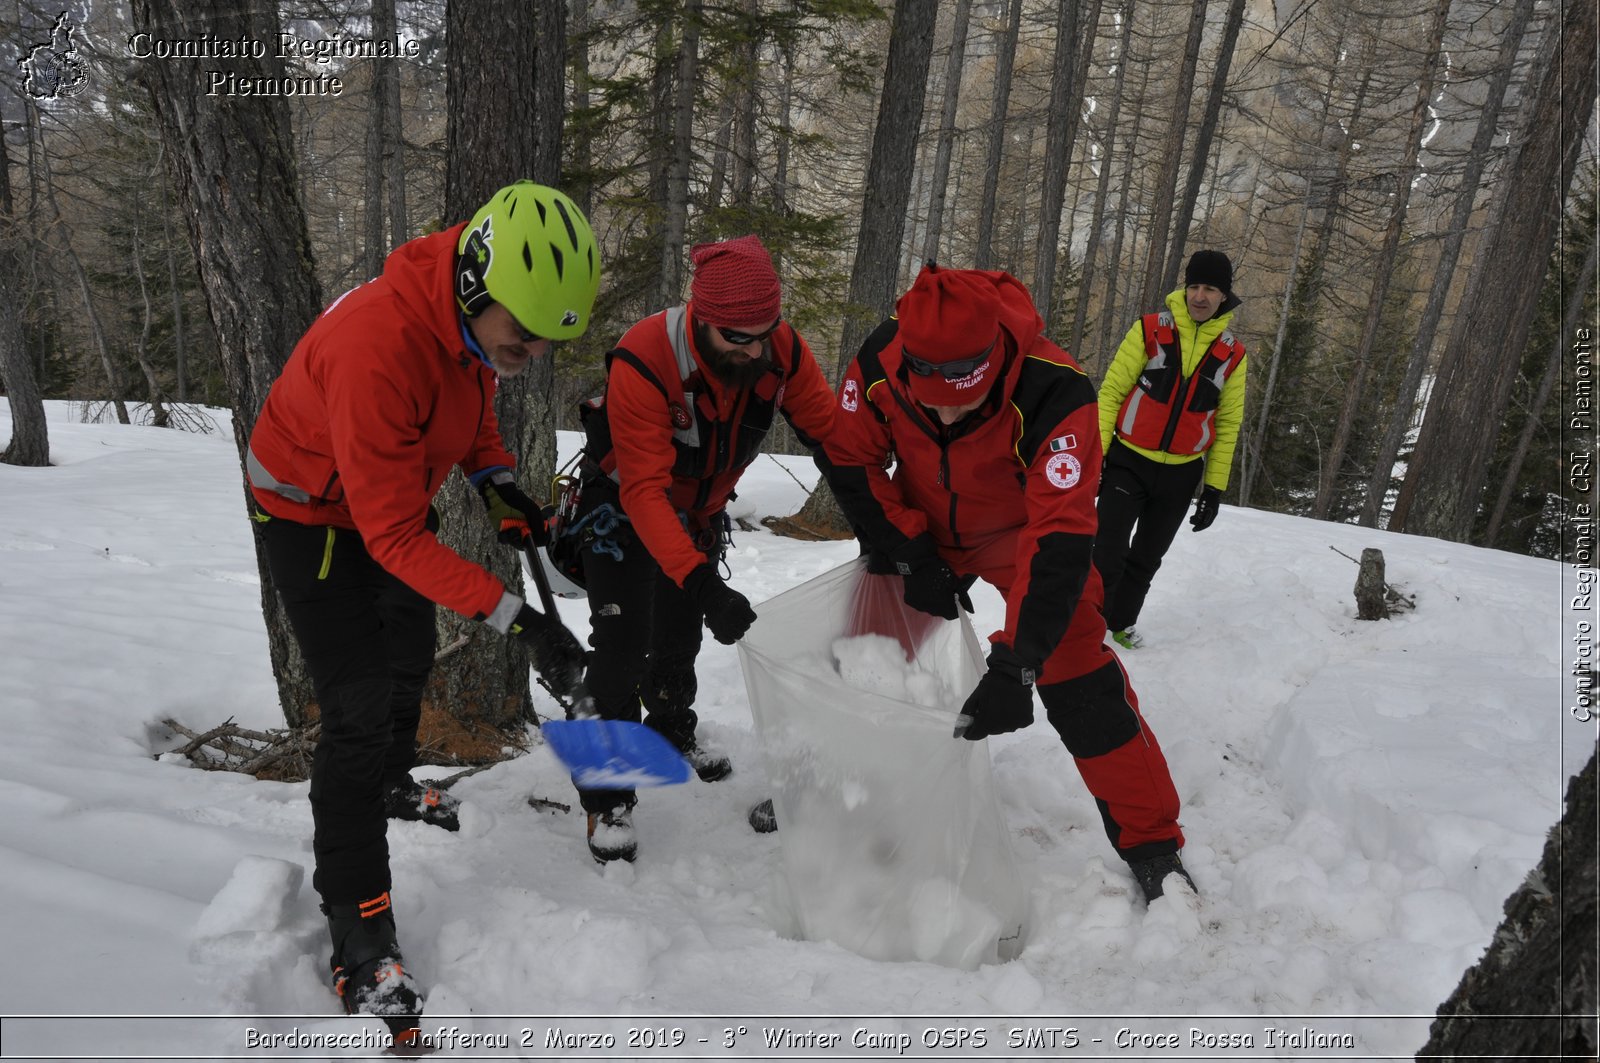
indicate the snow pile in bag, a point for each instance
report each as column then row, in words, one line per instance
column 893, row 842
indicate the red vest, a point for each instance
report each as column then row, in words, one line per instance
column 1167, row 410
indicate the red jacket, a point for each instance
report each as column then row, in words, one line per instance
column 676, row 439
column 1025, row 465
column 379, row 399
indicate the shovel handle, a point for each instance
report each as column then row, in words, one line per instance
column 581, row 706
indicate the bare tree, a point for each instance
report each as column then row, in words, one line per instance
column 873, row 280
column 1203, row 136
column 677, row 202
column 505, row 108
column 1444, row 484
column 1444, row 273
column 1383, row 268
column 1004, row 61
column 30, row 433
column 1060, row 128
column 947, row 130
column 235, row 175
column 1155, row 275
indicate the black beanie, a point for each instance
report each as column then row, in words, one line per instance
column 1210, row 267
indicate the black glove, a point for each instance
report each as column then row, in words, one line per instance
column 931, row 584
column 727, row 612
column 1003, row 700
column 517, row 516
column 557, row 655
column 1205, row 510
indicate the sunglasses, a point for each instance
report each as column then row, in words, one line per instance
column 956, row 370
column 524, row 336
column 744, row 339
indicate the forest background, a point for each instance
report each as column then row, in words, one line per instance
column 1408, row 193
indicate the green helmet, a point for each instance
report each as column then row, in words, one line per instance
column 531, row 250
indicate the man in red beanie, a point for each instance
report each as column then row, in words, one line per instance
column 690, row 395
column 995, row 432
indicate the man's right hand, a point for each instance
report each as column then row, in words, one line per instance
column 727, row 612
column 557, row 654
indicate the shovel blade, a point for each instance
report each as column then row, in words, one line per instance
column 614, row 754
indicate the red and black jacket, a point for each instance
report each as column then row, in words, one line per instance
column 1025, row 465
column 676, row 439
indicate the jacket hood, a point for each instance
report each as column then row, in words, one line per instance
column 421, row 275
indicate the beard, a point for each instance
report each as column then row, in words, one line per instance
column 732, row 369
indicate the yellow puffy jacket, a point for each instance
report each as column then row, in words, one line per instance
column 1144, row 403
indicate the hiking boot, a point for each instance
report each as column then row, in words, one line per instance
column 410, row 800
column 763, row 820
column 1152, row 874
column 367, row 971
column 1128, row 638
column 611, row 835
column 707, row 763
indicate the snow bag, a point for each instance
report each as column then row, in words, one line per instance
column 893, row 841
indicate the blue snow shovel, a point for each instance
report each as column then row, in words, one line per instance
column 603, row 754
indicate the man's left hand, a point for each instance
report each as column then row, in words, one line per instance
column 1205, row 510
column 1002, row 702
column 515, row 516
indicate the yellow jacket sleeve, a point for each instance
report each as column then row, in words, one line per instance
column 1230, row 415
column 1122, row 375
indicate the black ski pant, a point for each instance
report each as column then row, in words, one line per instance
column 646, row 632
column 368, row 640
column 1142, row 505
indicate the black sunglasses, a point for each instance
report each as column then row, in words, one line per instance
column 956, row 370
column 528, row 337
column 744, row 339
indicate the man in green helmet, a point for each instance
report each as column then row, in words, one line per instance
column 392, row 386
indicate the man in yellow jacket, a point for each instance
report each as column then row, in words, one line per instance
column 1170, row 409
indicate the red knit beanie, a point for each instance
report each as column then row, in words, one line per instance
column 951, row 315
column 734, row 284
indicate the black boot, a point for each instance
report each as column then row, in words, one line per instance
column 1152, row 873
column 763, row 820
column 611, row 835
column 367, row 971
column 410, row 800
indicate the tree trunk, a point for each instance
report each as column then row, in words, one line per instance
column 1203, row 137
column 743, row 185
column 1444, row 273
column 1091, row 252
column 1382, row 271
column 234, row 171
column 505, row 110
column 374, row 245
column 141, row 349
column 581, row 160
column 1110, row 315
column 873, row 280
column 947, row 130
column 1251, row 452
column 676, row 207
column 30, row 433
column 180, row 347
column 1060, row 130
column 1004, row 60
column 1533, row 993
column 384, row 28
column 1582, row 289
column 1155, row 276
column 1444, row 484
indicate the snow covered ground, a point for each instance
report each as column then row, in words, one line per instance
column 1359, row 798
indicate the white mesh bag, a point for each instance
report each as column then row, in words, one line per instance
column 893, row 841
